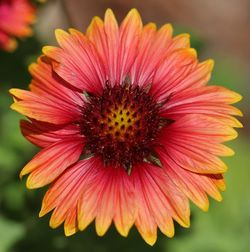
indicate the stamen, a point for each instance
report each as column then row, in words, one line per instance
column 121, row 125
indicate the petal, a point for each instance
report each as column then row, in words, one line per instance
column 173, row 76
column 207, row 100
column 129, row 36
column 195, row 186
column 216, row 94
column 71, row 225
column 153, row 48
column 180, row 41
column 77, row 61
column 103, row 200
column 111, row 30
column 46, row 84
column 50, row 162
column 117, row 46
column 125, row 211
column 97, row 35
column 171, row 72
column 219, row 181
column 42, row 109
column 188, row 136
column 43, row 134
column 159, row 201
column 196, row 160
column 183, row 141
column 64, row 194
column 202, row 126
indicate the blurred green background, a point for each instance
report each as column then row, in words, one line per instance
column 225, row 228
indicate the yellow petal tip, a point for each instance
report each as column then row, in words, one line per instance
column 109, row 12
column 47, row 49
column 210, row 63
column 150, row 239
column 60, row 35
column 41, row 213
column 192, row 52
column 13, row 91
column 134, row 12
column 69, row 231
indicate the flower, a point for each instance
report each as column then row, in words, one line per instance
column 128, row 127
column 15, row 18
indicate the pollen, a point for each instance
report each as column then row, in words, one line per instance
column 121, row 125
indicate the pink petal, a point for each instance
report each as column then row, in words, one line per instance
column 178, row 77
column 64, row 193
column 46, row 84
column 153, row 48
column 41, row 108
column 50, row 162
column 117, row 46
column 172, row 72
column 77, row 61
column 159, row 201
column 195, row 186
column 103, row 200
column 45, row 134
column 207, row 100
column 129, row 38
column 183, row 141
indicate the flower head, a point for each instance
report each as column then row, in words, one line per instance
column 129, row 128
column 15, row 18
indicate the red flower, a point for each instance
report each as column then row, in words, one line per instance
column 15, row 18
column 128, row 127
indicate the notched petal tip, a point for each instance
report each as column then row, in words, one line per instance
column 167, row 29
column 122, row 231
column 151, row 26
column 236, row 97
column 150, row 239
column 204, row 207
column 227, row 152
column 14, row 106
column 218, row 197
column 32, row 67
column 31, row 184
column 182, row 41
column 133, row 13
column 61, row 35
column 95, row 22
column 22, row 173
column 109, row 15
column 44, row 208
column 14, row 91
column 74, row 31
column 100, row 229
column 53, row 224
column 42, row 211
column 68, row 231
column 209, row 63
column 49, row 50
column 191, row 52
column 237, row 123
column 186, row 223
column 233, row 134
column 133, row 19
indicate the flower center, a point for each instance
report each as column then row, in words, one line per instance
column 121, row 125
